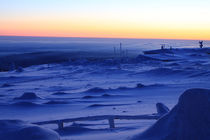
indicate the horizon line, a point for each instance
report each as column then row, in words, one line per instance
column 92, row 37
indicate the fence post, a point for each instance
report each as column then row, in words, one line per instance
column 111, row 123
column 60, row 125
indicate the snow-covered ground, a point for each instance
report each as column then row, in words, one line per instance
column 118, row 86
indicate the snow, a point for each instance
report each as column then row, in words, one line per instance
column 19, row 130
column 188, row 120
column 27, row 96
column 99, row 84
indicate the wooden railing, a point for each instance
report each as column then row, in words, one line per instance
column 110, row 119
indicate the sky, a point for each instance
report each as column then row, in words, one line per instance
column 160, row 19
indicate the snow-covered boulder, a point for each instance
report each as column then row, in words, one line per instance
column 188, row 120
column 19, row 130
column 28, row 96
column 162, row 109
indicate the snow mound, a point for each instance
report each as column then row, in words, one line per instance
column 19, row 130
column 60, row 93
column 28, row 96
column 96, row 90
column 188, row 120
column 106, row 95
column 92, row 97
column 166, row 71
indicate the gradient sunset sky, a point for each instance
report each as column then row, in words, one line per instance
column 168, row 19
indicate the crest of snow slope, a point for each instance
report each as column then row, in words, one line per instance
column 19, row 130
column 188, row 120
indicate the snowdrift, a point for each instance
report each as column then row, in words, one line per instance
column 19, row 130
column 188, row 120
column 28, row 96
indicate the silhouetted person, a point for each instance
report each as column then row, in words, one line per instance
column 201, row 44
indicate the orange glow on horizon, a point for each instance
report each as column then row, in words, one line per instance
column 180, row 19
column 144, row 34
column 101, row 29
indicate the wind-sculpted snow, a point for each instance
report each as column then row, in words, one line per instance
column 106, row 95
column 104, row 105
column 96, row 90
column 60, row 93
column 56, row 102
column 25, row 104
column 28, row 96
column 167, row 71
column 102, row 90
column 19, row 130
column 103, row 96
column 200, row 74
column 188, row 120
column 101, row 85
